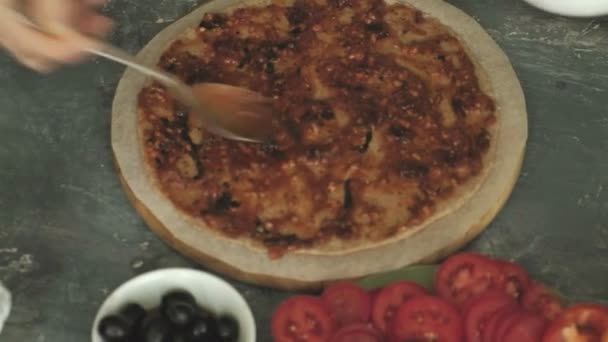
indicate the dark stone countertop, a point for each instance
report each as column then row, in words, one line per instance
column 68, row 235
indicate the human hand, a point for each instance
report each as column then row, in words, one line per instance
column 67, row 26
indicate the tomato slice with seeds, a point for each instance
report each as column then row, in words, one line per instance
column 302, row 318
column 358, row 333
column 488, row 332
column 538, row 298
column 465, row 275
column 390, row 299
column 581, row 322
column 516, row 279
column 527, row 327
column 480, row 309
column 347, row 303
column 427, row 318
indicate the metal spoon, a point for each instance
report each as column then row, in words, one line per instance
column 232, row 112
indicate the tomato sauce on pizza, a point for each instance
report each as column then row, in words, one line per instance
column 382, row 114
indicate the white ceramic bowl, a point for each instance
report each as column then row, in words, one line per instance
column 573, row 8
column 210, row 292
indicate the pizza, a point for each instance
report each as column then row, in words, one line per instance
column 386, row 124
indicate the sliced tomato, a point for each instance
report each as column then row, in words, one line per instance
column 515, row 278
column 427, row 318
column 390, row 299
column 581, row 322
column 358, row 333
column 527, row 327
column 465, row 275
column 347, row 303
column 505, row 322
column 480, row 309
column 302, row 318
column 488, row 332
column 373, row 294
column 538, row 298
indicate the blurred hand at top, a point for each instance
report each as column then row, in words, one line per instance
column 66, row 26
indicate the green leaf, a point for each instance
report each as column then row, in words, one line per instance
column 424, row 275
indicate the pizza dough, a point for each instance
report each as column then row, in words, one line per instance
column 454, row 224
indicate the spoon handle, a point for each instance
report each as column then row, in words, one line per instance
column 120, row 56
column 173, row 85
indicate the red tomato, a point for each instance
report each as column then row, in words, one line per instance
column 515, row 278
column 427, row 318
column 581, row 322
column 358, row 333
column 505, row 322
column 464, row 275
column 480, row 309
column 302, row 318
column 538, row 298
column 390, row 299
column 488, row 332
column 347, row 303
column 373, row 294
column 527, row 327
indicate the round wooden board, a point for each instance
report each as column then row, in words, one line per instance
column 302, row 270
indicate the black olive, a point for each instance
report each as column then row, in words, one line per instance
column 327, row 113
column 225, row 202
column 270, row 54
column 170, row 67
column 133, row 314
column 282, row 45
column 296, row 15
column 348, row 195
column 448, row 156
column 269, row 68
column 179, row 307
column 375, row 27
column 273, row 150
column 228, row 329
column 203, row 329
column 459, row 108
column 164, row 147
column 482, row 141
column 178, row 295
column 296, row 31
column 368, row 139
column 314, row 152
column 400, row 132
column 378, row 28
column 212, row 20
column 113, row 329
column 413, row 169
column 180, row 336
column 156, row 328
